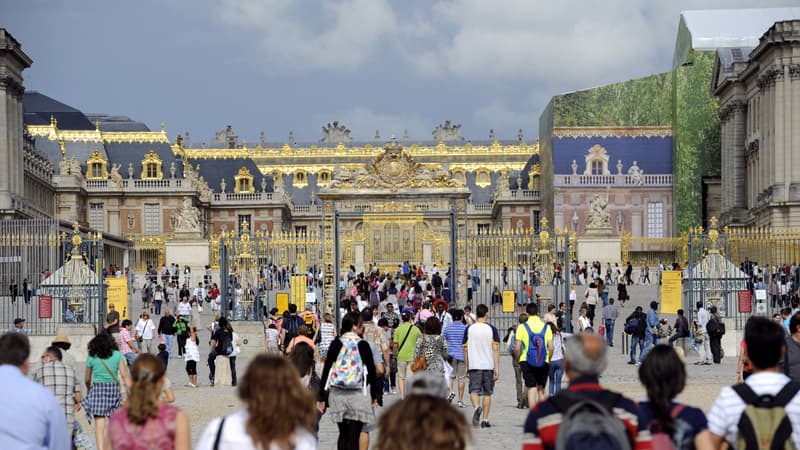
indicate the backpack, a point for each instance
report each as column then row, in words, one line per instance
column 712, row 328
column 588, row 423
column 764, row 424
column 632, row 326
column 537, row 347
column 663, row 441
column 225, row 346
column 348, row 371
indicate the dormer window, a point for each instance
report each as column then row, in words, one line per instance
column 460, row 176
column 96, row 166
column 323, row 178
column 244, row 181
column 482, row 178
column 300, row 179
column 596, row 161
column 151, row 166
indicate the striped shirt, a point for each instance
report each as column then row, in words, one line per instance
column 541, row 427
column 723, row 419
column 454, row 335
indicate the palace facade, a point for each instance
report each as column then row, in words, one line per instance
column 116, row 176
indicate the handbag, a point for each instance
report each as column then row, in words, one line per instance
column 420, row 363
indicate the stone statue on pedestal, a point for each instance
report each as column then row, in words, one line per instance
column 116, row 178
column 597, row 216
column 188, row 218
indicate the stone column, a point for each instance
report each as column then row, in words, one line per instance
column 793, row 161
column 12, row 62
column 737, row 142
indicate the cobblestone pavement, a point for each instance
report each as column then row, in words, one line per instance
column 204, row 403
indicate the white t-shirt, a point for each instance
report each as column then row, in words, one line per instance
column 235, row 436
column 480, row 338
column 584, row 323
column 184, row 309
column 145, row 329
column 723, row 419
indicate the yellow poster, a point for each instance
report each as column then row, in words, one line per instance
column 299, row 291
column 508, row 301
column 118, row 295
column 670, row 291
column 282, row 302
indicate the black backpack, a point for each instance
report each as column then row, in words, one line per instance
column 764, row 419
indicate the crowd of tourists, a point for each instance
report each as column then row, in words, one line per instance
column 415, row 345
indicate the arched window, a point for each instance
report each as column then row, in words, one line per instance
column 96, row 166
column 460, row 176
column 596, row 161
column 323, row 178
column 151, row 166
column 244, row 181
column 300, row 179
column 482, row 178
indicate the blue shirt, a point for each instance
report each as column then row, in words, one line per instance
column 30, row 416
column 454, row 335
column 652, row 320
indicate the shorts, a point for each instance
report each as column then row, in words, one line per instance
column 191, row 367
column 404, row 369
column 534, row 376
column 458, row 369
column 481, row 382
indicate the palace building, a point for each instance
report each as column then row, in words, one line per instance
column 116, row 176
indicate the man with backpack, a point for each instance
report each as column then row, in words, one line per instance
column 635, row 327
column 766, row 407
column 533, row 348
column 585, row 416
column 291, row 325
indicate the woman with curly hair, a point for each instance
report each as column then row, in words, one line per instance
column 105, row 365
column 146, row 423
column 278, row 413
column 442, row 425
column 432, row 346
column 684, row 426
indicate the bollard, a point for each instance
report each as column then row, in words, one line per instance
column 222, row 377
column 625, row 343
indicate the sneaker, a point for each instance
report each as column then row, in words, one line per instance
column 476, row 416
column 638, row 363
column 461, row 404
column 631, row 362
column 394, row 391
column 451, row 397
column 485, row 424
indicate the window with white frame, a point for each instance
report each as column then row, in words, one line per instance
column 655, row 219
column 97, row 217
column 152, row 218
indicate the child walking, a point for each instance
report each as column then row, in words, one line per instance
column 192, row 356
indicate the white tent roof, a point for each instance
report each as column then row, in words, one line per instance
column 725, row 28
column 74, row 272
column 717, row 266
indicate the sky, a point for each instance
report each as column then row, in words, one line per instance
column 294, row 65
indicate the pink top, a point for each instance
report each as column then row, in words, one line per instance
column 158, row 433
column 124, row 338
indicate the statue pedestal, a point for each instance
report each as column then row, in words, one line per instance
column 188, row 250
column 593, row 247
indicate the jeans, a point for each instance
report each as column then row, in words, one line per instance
column 610, row 332
column 157, row 306
column 168, row 342
column 212, row 366
column 636, row 340
column 650, row 341
column 556, row 372
column 130, row 356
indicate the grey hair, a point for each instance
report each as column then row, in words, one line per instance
column 426, row 383
column 580, row 362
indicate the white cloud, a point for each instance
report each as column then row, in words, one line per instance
column 351, row 30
